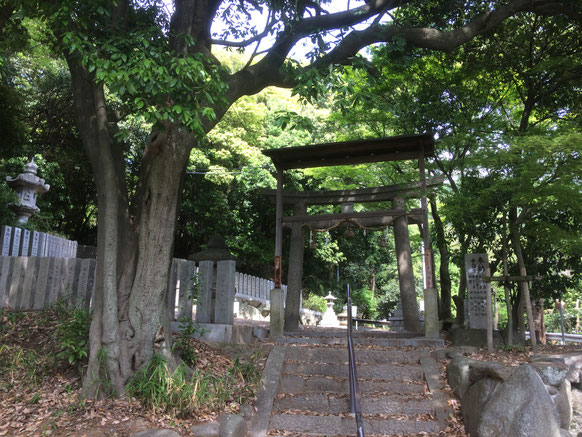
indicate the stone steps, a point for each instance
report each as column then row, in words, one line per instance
column 371, row 404
column 389, row 342
column 365, row 333
column 313, row 389
column 403, row 372
column 315, row 384
column 336, row 425
column 339, row 355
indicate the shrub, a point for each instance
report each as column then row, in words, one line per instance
column 183, row 341
column 315, row 303
column 73, row 335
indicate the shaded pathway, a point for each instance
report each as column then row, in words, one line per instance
column 308, row 391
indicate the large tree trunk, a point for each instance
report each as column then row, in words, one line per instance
column 134, row 244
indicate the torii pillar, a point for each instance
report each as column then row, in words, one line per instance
column 405, row 272
column 295, row 272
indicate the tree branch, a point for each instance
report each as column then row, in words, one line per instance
column 259, row 36
column 267, row 71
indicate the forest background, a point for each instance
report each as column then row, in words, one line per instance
column 504, row 109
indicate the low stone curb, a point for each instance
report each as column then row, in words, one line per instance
column 432, row 375
column 267, row 392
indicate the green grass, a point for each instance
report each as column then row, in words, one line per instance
column 184, row 393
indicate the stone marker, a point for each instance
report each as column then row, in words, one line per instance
column 186, row 275
column 4, row 275
column 224, row 292
column 15, row 244
column 25, row 242
column 5, row 236
column 41, row 244
column 204, row 302
column 475, row 266
column 216, row 289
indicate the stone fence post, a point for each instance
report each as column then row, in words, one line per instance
column 216, row 283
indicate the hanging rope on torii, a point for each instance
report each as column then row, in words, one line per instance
column 397, row 148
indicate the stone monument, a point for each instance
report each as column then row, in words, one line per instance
column 329, row 318
column 216, row 285
column 476, row 266
column 27, row 185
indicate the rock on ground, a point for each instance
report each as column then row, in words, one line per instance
column 521, row 407
column 156, row 433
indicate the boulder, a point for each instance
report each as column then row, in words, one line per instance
column 577, row 413
column 521, row 407
column 458, row 375
column 563, row 402
column 206, row 429
column 159, row 432
column 573, row 360
column 247, row 411
column 441, row 354
column 552, row 373
column 232, row 425
column 473, row 401
column 486, row 369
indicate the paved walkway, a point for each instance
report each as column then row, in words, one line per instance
column 306, row 388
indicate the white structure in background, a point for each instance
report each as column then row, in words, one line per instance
column 329, row 318
column 27, row 185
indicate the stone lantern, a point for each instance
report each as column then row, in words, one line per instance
column 329, row 318
column 27, row 185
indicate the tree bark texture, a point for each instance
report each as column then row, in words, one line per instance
column 516, row 241
column 538, row 315
column 506, row 288
column 135, row 242
column 405, row 273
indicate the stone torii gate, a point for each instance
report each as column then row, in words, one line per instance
column 346, row 153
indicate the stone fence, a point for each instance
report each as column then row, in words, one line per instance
column 22, row 242
column 34, row 282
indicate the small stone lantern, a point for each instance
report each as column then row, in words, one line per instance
column 329, row 318
column 27, row 185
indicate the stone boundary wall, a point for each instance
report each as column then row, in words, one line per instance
column 253, row 288
column 22, row 242
column 36, row 282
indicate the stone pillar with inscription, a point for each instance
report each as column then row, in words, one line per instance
column 27, row 185
column 477, row 265
column 216, row 285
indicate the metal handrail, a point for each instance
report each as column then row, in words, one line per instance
column 354, row 390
